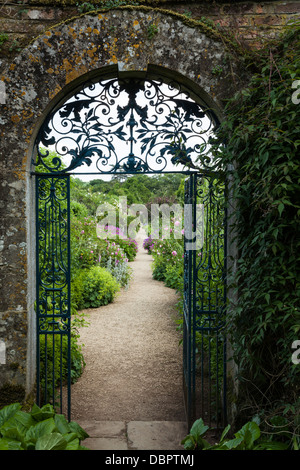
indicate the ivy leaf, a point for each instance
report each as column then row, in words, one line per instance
column 280, row 208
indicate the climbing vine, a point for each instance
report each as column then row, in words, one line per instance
column 260, row 139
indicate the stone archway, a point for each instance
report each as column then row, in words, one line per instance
column 47, row 70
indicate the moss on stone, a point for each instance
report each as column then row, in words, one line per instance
column 205, row 26
column 109, row 2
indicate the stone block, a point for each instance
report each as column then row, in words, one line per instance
column 287, row 7
column 156, row 435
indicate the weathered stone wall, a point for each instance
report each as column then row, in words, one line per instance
column 47, row 51
column 249, row 21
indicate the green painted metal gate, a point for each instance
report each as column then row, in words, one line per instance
column 53, row 304
column 204, row 300
column 132, row 125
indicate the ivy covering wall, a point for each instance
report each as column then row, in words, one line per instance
column 262, row 141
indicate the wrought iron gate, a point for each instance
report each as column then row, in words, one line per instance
column 53, row 290
column 204, row 300
column 131, row 125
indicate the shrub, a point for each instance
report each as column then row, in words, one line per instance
column 112, row 251
column 86, row 248
column 59, row 351
column 147, row 244
column 174, row 276
column 57, row 355
column 121, row 272
column 168, row 261
column 129, row 246
column 94, row 287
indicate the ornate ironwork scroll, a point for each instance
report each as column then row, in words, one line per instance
column 53, row 288
column 126, row 125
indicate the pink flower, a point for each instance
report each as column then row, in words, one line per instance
column 82, row 231
column 174, row 253
column 177, row 223
column 92, row 252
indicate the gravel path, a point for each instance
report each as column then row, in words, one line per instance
column 133, row 358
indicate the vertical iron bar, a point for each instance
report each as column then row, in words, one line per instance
column 194, row 279
column 217, row 379
column 37, row 225
column 46, row 369
column 69, row 296
column 225, row 306
column 189, row 345
column 61, row 372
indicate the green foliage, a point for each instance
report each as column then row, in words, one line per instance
column 147, row 244
column 88, row 196
column 262, row 135
column 139, row 189
column 152, row 31
column 94, row 287
column 56, row 355
column 78, row 209
column 60, row 361
column 249, row 437
column 173, row 275
column 121, row 272
column 168, row 261
column 3, row 38
column 84, row 7
column 41, row 429
column 115, row 251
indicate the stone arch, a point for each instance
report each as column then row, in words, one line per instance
column 123, row 40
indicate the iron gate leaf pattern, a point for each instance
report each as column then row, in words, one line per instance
column 126, row 125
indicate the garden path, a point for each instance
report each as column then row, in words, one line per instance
column 133, row 359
